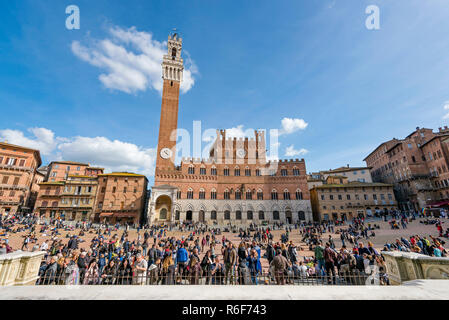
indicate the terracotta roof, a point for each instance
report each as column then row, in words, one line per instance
column 52, row 183
column 124, row 174
column 380, row 145
column 70, row 162
column 417, row 129
column 80, row 176
column 346, row 169
column 394, row 146
column 434, row 137
column 37, row 152
column 337, row 176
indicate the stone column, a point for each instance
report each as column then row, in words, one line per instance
column 195, row 216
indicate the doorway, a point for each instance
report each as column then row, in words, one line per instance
column 189, row 215
column 288, row 217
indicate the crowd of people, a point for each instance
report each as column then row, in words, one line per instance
column 206, row 256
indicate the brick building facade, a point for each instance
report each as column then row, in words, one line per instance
column 411, row 165
column 121, row 198
column 236, row 184
column 69, row 191
column 18, row 178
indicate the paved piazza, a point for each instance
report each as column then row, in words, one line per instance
column 383, row 235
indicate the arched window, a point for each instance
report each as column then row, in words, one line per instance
column 295, row 171
column 286, row 195
column 213, row 215
column 249, row 215
column 274, row 194
column 249, row 195
column 238, row 215
column 226, row 171
column 298, row 194
column 213, row 194
column 261, row 215
column 237, row 172
column 202, row 194
column 259, row 194
column 54, row 204
column 213, row 171
column 283, row 172
column 275, row 215
column 173, row 53
column 301, row 215
column 44, row 204
column 191, row 170
column 238, row 194
column 203, row 170
column 190, row 193
column 227, row 215
column 247, row 172
column 258, row 172
column 177, row 215
column 227, row 195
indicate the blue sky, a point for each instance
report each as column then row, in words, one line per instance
column 252, row 63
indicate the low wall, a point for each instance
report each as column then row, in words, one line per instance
column 406, row 266
column 416, row 290
column 20, row 268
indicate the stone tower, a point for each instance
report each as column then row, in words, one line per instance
column 172, row 72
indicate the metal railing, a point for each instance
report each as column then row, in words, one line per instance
column 237, row 277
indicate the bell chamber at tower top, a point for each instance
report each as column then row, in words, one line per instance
column 173, row 64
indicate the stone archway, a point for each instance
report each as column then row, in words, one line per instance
column 189, row 215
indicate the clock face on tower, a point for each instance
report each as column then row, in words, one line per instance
column 166, row 153
column 241, row 153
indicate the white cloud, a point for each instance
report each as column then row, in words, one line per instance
column 292, row 152
column 113, row 155
column 238, row 132
column 446, row 107
column 290, row 125
column 43, row 140
column 131, row 61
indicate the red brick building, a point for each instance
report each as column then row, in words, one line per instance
column 236, row 184
column 18, row 178
column 120, row 198
column 417, row 166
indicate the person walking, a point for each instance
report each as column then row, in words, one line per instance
column 230, row 258
column 330, row 258
column 279, row 265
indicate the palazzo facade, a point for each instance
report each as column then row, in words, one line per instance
column 234, row 185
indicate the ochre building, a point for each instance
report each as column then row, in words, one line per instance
column 235, row 185
column 340, row 199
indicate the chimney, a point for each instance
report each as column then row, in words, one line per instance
column 347, row 165
column 440, row 129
